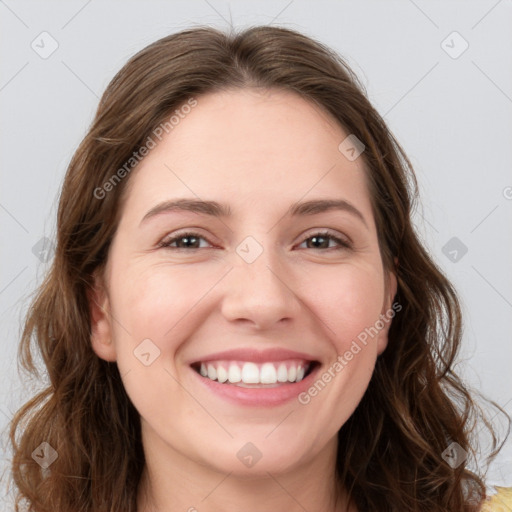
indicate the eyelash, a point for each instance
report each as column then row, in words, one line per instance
column 344, row 244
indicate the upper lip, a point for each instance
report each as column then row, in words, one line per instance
column 255, row 355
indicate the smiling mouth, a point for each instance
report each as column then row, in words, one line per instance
column 248, row 374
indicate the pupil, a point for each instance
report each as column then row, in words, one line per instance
column 315, row 239
column 187, row 239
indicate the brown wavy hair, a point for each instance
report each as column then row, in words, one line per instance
column 390, row 450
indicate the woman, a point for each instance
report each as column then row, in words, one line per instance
column 239, row 313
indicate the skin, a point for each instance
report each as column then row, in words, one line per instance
column 258, row 151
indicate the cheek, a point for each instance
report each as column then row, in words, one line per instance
column 154, row 300
column 155, row 303
column 350, row 307
column 160, row 303
column 349, row 301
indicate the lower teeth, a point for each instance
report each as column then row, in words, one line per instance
column 244, row 385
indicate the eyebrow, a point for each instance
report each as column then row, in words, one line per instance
column 215, row 209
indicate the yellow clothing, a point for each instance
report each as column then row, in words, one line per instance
column 499, row 502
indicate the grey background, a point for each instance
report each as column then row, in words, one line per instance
column 452, row 114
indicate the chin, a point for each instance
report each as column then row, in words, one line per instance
column 247, row 459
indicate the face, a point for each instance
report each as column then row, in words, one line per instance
column 290, row 289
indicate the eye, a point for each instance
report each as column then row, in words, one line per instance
column 321, row 240
column 190, row 240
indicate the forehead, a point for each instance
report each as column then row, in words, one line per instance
column 250, row 147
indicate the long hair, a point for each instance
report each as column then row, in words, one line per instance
column 391, row 452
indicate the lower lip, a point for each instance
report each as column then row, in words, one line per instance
column 258, row 397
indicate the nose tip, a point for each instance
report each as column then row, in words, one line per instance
column 258, row 294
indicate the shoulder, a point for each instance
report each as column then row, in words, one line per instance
column 501, row 501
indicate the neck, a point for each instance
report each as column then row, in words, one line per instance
column 171, row 481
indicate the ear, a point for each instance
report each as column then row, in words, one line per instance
column 388, row 312
column 101, row 326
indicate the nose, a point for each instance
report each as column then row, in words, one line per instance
column 261, row 294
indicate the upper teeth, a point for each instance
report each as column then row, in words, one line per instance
column 253, row 373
